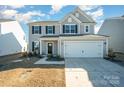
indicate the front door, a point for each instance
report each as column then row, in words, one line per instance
column 50, row 46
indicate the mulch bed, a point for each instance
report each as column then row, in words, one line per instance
column 54, row 59
column 119, row 62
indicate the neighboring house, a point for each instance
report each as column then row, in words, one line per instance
column 73, row 36
column 12, row 37
column 114, row 27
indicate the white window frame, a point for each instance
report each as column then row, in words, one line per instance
column 88, row 28
column 36, row 42
column 48, row 29
column 69, row 29
column 37, row 29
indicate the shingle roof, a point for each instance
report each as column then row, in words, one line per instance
column 43, row 22
column 6, row 20
column 64, row 35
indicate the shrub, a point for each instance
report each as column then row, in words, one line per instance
column 111, row 53
column 49, row 56
column 30, row 54
column 24, row 54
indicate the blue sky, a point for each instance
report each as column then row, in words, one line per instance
column 29, row 13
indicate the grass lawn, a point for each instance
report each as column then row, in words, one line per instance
column 27, row 74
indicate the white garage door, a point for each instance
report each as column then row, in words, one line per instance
column 83, row 49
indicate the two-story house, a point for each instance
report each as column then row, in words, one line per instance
column 72, row 36
column 114, row 27
column 12, row 37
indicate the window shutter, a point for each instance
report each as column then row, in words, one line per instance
column 32, row 46
column 63, row 28
column 32, row 29
column 39, row 29
column 76, row 29
column 53, row 29
column 46, row 30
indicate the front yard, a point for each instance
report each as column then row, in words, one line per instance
column 22, row 72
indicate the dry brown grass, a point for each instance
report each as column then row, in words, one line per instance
column 33, row 77
column 26, row 74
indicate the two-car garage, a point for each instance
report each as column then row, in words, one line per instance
column 83, row 49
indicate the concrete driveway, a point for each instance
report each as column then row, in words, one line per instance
column 93, row 72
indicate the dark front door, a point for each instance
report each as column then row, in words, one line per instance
column 50, row 45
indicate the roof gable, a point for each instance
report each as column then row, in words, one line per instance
column 89, row 18
column 72, row 16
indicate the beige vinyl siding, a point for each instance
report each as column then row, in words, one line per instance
column 57, row 29
column 81, row 17
column 43, row 48
column 66, row 22
column 91, row 28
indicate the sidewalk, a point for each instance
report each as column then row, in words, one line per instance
column 43, row 61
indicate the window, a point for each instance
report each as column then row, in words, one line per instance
column 50, row 29
column 73, row 28
column 35, row 45
column 86, row 29
column 70, row 28
column 36, row 29
column 67, row 28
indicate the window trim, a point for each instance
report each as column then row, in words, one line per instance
column 52, row 30
column 38, row 29
column 88, row 28
column 36, row 42
column 70, row 28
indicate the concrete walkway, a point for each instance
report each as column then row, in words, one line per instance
column 43, row 61
column 90, row 72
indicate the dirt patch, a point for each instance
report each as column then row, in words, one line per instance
column 27, row 74
column 35, row 77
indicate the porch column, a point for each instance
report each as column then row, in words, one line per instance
column 60, row 29
column 40, row 47
column 79, row 25
column 59, row 47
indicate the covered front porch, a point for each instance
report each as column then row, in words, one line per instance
column 50, row 46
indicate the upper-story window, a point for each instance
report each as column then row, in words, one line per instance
column 87, row 28
column 69, row 28
column 36, row 29
column 50, row 29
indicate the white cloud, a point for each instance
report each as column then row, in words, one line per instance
column 56, row 9
column 16, row 6
column 96, row 12
column 88, row 7
column 25, row 17
column 97, row 27
column 8, row 13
